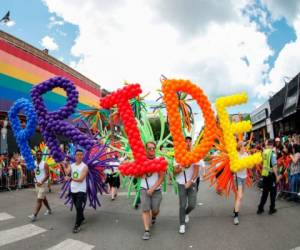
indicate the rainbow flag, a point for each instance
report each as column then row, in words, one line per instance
column 20, row 70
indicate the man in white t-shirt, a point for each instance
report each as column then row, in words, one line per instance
column 150, row 193
column 186, row 177
column 79, row 172
column 41, row 172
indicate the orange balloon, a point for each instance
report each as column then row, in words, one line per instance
column 170, row 88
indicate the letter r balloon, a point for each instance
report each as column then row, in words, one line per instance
column 52, row 123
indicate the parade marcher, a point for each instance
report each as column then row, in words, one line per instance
column 41, row 177
column 151, row 195
column 240, row 178
column 270, row 178
column 79, row 172
column 186, row 179
column 113, row 178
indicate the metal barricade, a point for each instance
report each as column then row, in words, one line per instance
column 15, row 178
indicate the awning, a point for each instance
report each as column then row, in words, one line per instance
column 259, row 125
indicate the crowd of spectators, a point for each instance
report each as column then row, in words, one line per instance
column 287, row 150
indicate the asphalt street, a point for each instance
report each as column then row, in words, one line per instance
column 116, row 225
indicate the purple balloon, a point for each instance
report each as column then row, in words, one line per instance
column 52, row 123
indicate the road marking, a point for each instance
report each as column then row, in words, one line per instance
column 19, row 233
column 70, row 244
column 5, row 216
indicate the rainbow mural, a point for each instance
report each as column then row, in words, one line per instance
column 19, row 70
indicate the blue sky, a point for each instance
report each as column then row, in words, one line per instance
column 32, row 20
column 33, row 23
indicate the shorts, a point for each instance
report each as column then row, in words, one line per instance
column 40, row 192
column 151, row 202
column 113, row 180
column 240, row 181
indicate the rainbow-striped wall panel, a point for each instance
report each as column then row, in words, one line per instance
column 20, row 70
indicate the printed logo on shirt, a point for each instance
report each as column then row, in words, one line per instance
column 75, row 174
column 38, row 172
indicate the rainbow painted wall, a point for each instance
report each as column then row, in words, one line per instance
column 20, row 70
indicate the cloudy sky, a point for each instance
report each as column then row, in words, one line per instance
column 223, row 46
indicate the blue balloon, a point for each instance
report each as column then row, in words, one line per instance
column 22, row 135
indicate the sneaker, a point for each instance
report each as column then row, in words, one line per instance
column 146, row 235
column 187, row 219
column 32, row 218
column 182, row 229
column 260, row 211
column 273, row 211
column 76, row 229
column 236, row 221
column 48, row 212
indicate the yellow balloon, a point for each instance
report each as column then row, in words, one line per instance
column 230, row 129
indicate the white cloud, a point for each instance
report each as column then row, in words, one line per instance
column 137, row 41
column 49, row 43
column 286, row 65
column 194, row 16
column 283, row 9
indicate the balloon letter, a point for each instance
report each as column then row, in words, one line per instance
column 22, row 135
column 169, row 88
column 51, row 123
column 229, row 129
column 141, row 164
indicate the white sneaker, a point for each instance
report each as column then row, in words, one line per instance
column 48, row 212
column 32, row 217
column 187, row 219
column 236, row 221
column 182, row 229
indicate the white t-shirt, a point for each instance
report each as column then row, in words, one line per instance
column 185, row 175
column 242, row 173
column 150, row 180
column 113, row 167
column 40, row 172
column 76, row 172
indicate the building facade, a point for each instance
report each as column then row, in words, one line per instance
column 262, row 127
column 285, row 109
column 21, row 67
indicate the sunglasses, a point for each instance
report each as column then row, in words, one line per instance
column 151, row 148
